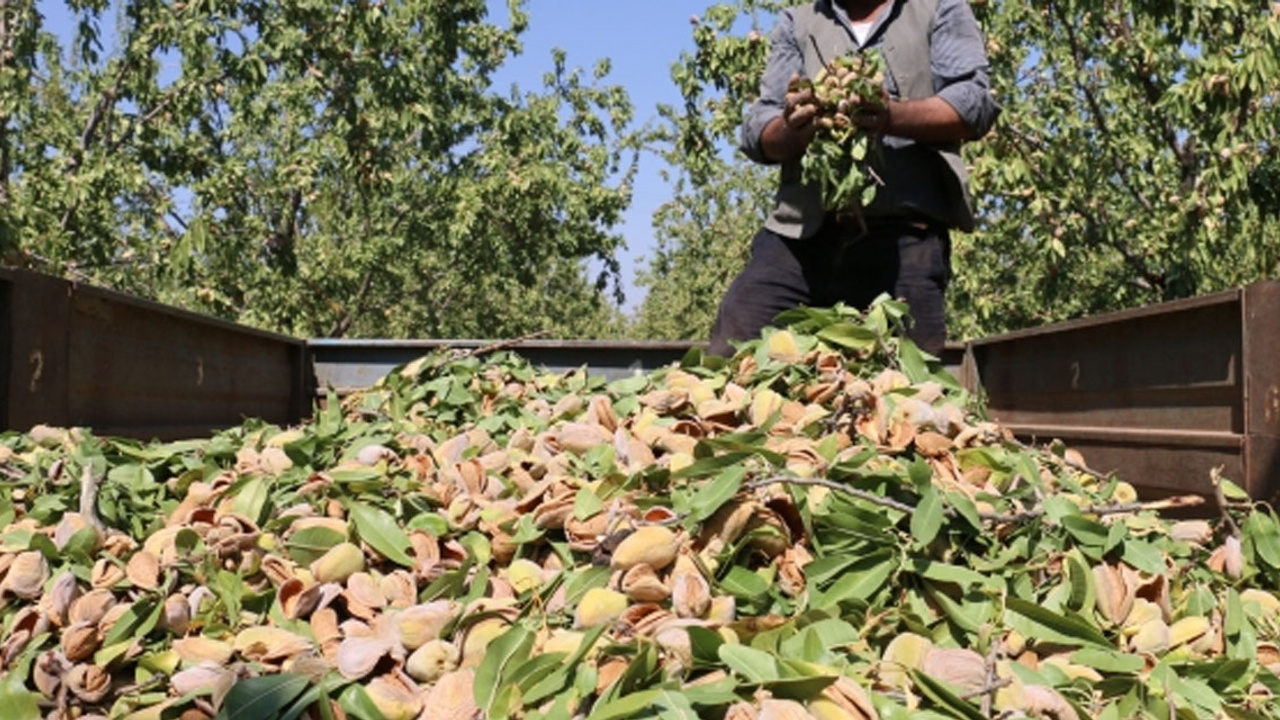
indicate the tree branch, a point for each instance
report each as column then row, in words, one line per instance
column 1185, row 156
column 1177, row 502
column 104, row 106
column 344, row 323
column 1095, row 109
column 1140, row 267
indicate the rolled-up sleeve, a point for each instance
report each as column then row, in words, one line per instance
column 960, row 70
column 785, row 60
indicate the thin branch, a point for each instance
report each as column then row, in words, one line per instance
column 1186, row 158
column 1215, row 477
column 161, row 106
column 1174, row 503
column 491, row 347
column 105, row 105
column 1177, row 502
column 89, row 483
column 1077, row 466
column 1095, row 109
column 994, row 681
column 986, row 692
column 1129, row 257
column 344, row 323
column 836, row 487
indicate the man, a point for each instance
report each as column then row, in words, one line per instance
column 938, row 94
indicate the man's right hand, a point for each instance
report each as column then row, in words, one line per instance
column 799, row 108
column 788, row 136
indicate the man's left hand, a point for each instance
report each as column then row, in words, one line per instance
column 873, row 113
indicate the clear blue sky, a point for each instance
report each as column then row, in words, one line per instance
column 641, row 39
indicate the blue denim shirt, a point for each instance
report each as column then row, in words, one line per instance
column 958, row 56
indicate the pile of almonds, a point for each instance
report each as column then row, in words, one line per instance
column 822, row 527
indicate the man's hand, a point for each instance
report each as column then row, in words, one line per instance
column 873, row 114
column 788, row 136
column 800, row 109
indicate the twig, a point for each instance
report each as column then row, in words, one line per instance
column 1173, row 503
column 986, row 693
column 1215, row 477
column 1180, row 501
column 993, row 656
column 818, row 50
column 154, row 680
column 486, row 349
column 89, row 498
column 1078, row 466
column 835, row 486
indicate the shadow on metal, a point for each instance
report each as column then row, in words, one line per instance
column 1161, row 395
column 79, row 355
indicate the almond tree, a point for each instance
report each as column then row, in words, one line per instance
column 315, row 167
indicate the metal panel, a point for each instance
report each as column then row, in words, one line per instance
column 347, row 365
column 35, row 349
column 1260, row 315
column 1162, row 394
column 123, row 366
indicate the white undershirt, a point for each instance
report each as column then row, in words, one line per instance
column 861, row 30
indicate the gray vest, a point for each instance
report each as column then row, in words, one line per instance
column 921, row 180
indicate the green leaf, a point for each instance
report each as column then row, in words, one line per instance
column 744, row 583
column 942, row 696
column 712, row 495
column 861, row 580
column 668, row 701
column 526, row 531
column 705, row 644
column 1033, row 621
column 1108, row 661
column 711, row 465
column 555, row 682
column 507, row 650
column 755, row 666
column 943, row 572
column 1085, row 531
column 912, row 360
column 355, row 701
column 262, row 697
column 1143, row 556
column 131, row 622
column 847, row 335
column 927, row 519
column 380, row 531
column 251, row 500
column 1261, row 530
column 586, row 504
column 18, row 702
column 307, row 545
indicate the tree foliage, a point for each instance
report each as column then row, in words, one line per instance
column 1136, row 159
column 1128, row 165
column 316, row 167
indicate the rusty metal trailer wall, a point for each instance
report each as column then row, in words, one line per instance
column 79, row 355
column 347, row 365
column 1161, row 394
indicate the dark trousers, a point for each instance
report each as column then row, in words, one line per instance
column 909, row 261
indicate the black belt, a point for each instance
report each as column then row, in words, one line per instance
column 863, row 226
